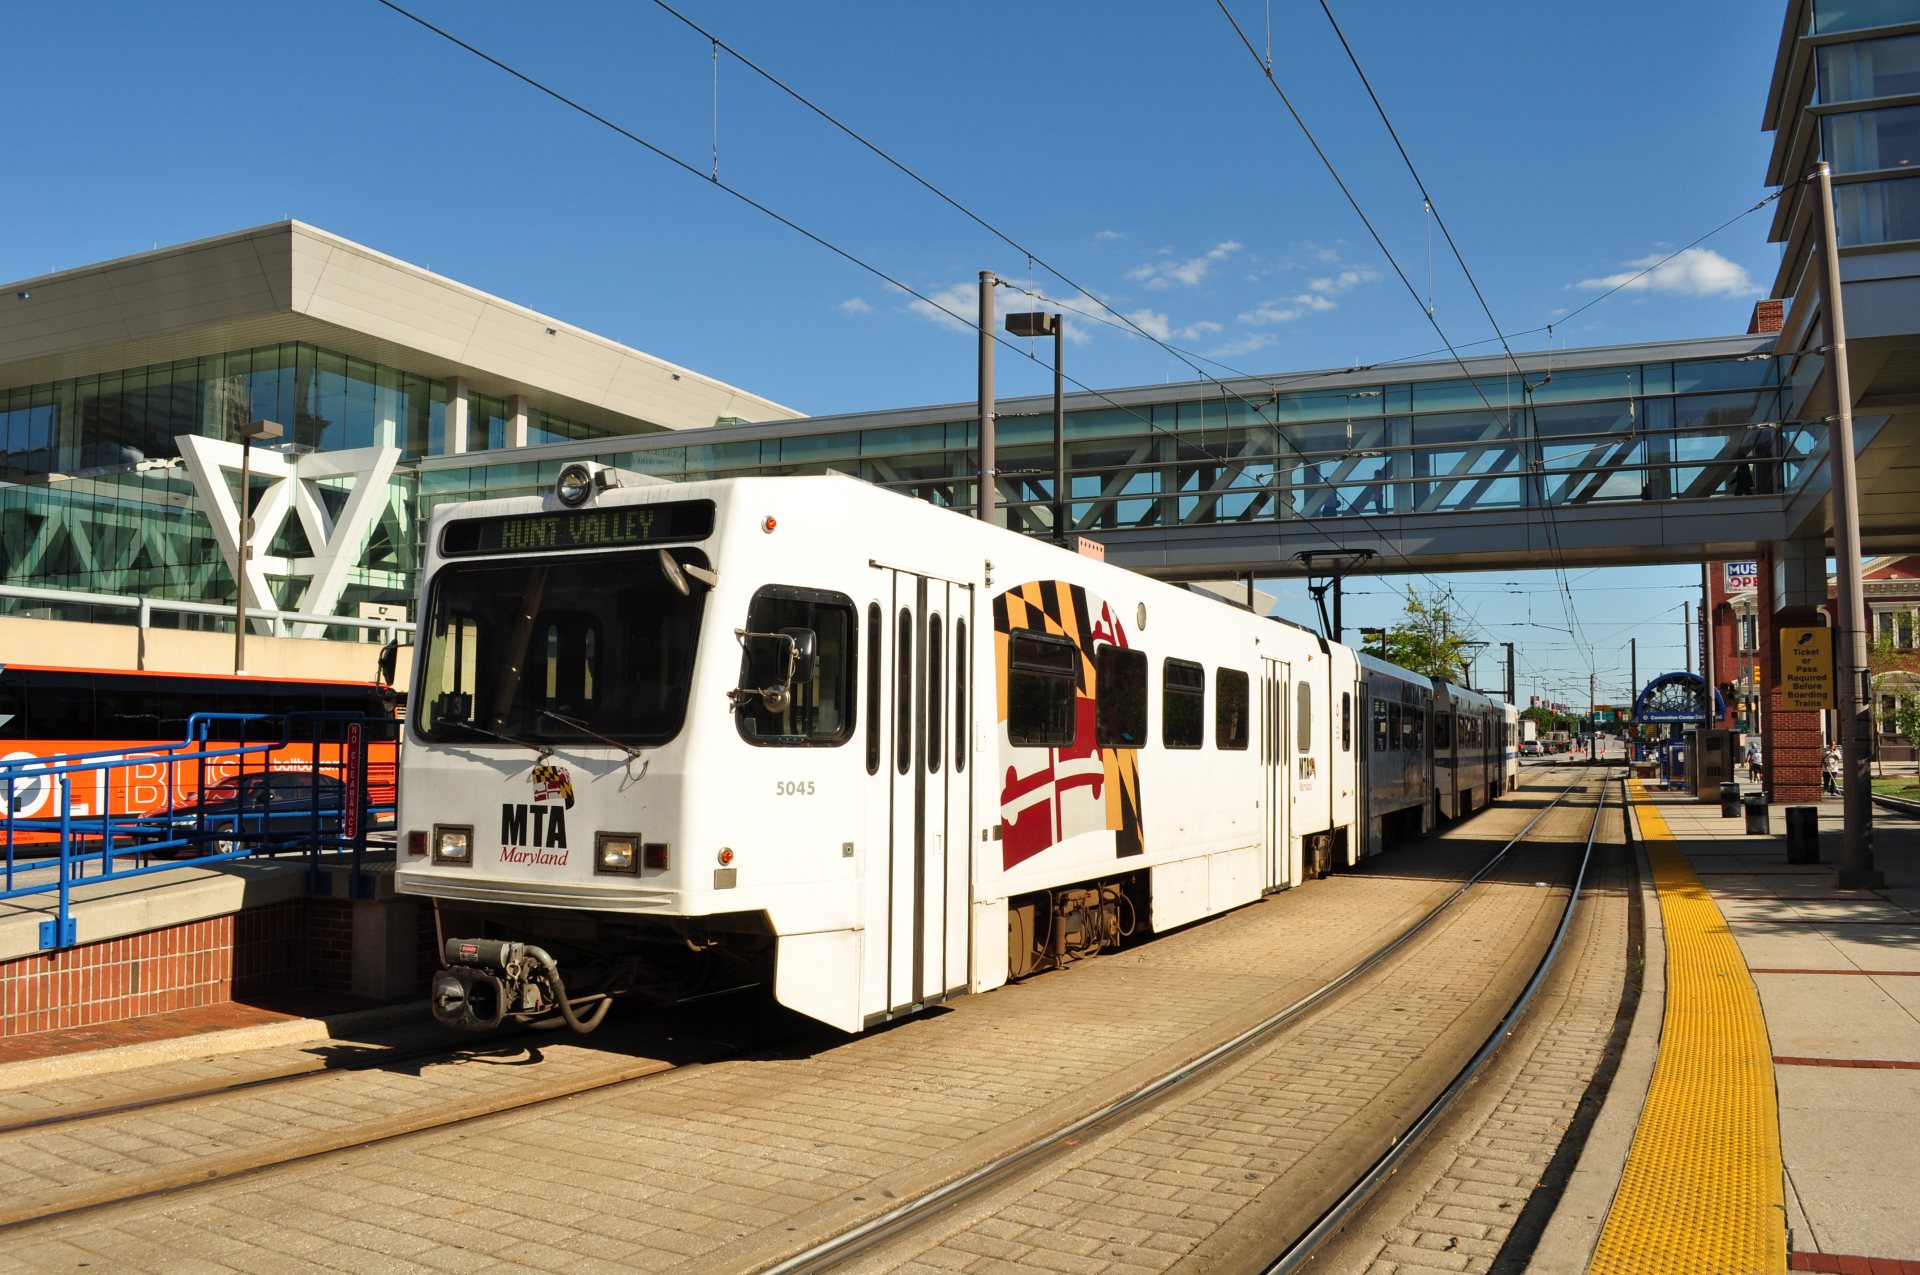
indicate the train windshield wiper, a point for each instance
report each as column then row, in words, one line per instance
column 585, row 729
column 544, row 751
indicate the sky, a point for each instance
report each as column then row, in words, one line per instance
column 1129, row 154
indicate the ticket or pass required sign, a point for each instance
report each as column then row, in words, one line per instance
column 1806, row 668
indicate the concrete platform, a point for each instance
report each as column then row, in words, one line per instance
column 1838, row 977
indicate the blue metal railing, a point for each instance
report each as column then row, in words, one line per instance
column 249, row 798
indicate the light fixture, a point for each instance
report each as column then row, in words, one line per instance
column 574, row 485
column 453, row 845
column 617, row 853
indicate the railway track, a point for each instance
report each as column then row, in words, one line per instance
column 203, row 1132
column 874, row 1244
column 818, row 1138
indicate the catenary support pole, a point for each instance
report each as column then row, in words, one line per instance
column 988, row 493
column 1856, row 723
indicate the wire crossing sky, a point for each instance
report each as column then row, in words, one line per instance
column 1591, row 166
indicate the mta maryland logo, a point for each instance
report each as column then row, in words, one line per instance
column 552, row 783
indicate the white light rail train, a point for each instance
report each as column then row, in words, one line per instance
column 666, row 738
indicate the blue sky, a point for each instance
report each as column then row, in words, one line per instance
column 1134, row 145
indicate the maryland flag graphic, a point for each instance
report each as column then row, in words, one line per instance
column 1054, row 791
column 550, row 782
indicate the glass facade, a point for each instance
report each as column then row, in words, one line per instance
column 1869, row 136
column 93, row 501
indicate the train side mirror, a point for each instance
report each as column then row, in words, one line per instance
column 388, row 661
column 774, row 661
column 805, row 652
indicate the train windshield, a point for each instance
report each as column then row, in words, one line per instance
column 561, row 650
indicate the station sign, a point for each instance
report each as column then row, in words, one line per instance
column 1742, row 576
column 1806, row 668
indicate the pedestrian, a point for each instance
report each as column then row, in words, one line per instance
column 1830, row 770
column 1753, row 760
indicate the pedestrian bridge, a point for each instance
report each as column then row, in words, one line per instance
column 1676, row 452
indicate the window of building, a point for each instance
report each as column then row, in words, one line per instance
column 1862, row 141
column 1230, row 701
column 821, row 709
column 1120, row 683
column 1183, row 704
column 1869, row 68
column 1042, row 672
column 1896, row 627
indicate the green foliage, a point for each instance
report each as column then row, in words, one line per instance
column 1426, row 641
column 1907, row 721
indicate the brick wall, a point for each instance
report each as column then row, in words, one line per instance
column 299, row 943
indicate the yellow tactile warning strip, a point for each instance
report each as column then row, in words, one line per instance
column 1702, row 1190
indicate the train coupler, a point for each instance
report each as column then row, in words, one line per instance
column 486, row 981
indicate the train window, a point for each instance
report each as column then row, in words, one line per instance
column 1442, row 731
column 1120, row 697
column 1417, row 724
column 1346, row 721
column 1230, row 701
column 1393, row 728
column 1303, row 718
column 873, row 688
column 1043, row 671
column 936, row 724
column 1183, row 704
column 903, row 693
column 961, row 713
column 1379, row 726
column 1410, row 728
column 13, row 719
column 820, row 712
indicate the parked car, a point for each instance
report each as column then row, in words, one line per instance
column 1530, row 748
column 274, row 809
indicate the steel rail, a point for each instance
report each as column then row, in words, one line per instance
column 905, row 1216
column 1303, row 1249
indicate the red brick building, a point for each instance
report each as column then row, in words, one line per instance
column 1744, row 663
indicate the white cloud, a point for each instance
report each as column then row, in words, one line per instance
column 1166, row 273
column 951, row 303
column 1106, row 235
column 1248, row 344
column 856, row 305
column 1205, row 327
column 1321, row 295
column 1696, row 272
column 1153, row 323
column 1347, row 280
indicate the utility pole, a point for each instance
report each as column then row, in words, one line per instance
column 1856, row 722
column 1686, row 632
column 988, row 493
column 1511, row 689
column 1593, row 727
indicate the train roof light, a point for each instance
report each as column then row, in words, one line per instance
column 574, row 485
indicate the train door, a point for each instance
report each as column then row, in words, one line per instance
column 924, row 757
column 1276, row 798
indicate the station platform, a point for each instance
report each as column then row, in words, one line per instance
column 1776, row 1125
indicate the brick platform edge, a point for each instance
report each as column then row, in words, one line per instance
column 317, row 943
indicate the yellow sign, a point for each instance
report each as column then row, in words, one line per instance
column 1806, row 668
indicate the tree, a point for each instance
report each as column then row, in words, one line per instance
column 1426, row 640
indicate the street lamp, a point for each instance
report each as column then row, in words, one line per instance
column 1036, row 324
column 250, row 433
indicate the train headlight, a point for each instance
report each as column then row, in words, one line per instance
column 574, row 485
column 453, row 845
column 617, row 852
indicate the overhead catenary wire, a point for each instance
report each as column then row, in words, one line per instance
column 857, row 261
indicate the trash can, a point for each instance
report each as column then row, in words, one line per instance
column 1803, row 834
column 1730, row 801
column 1756, row 804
